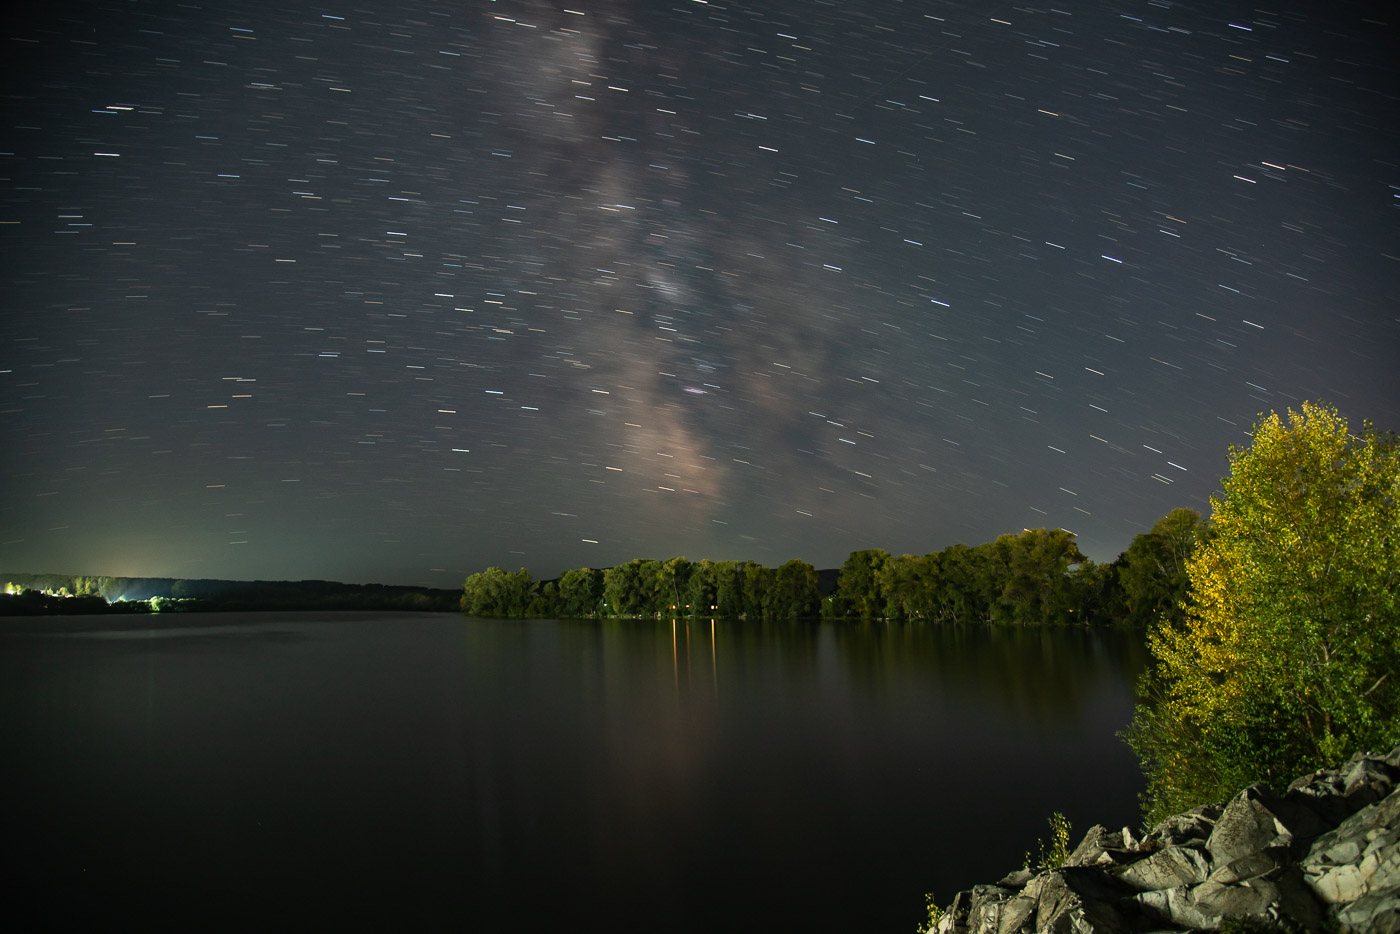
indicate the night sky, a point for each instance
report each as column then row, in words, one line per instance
column 396, row 291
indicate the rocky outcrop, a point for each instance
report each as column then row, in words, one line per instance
column 1324, row 855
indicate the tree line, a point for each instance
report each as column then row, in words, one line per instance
column 676, row 587
column 1274, row 626
column 1037, row 576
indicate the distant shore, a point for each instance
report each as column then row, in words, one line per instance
column 71, row 595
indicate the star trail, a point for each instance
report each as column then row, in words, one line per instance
column 397, row 291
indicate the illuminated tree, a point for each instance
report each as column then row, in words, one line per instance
column 1288, row 656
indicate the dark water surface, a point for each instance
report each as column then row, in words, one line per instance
column 379, row 772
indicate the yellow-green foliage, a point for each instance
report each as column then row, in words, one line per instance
column 935, row 914
column 1292, row 621
column 1054, row 855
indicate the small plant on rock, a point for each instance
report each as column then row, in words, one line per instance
column 935, row 914
column 1053, row 856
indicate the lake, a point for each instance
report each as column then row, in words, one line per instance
column 280, row 771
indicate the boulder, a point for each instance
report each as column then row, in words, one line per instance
column 1366, row 780
column 976, row 911
column 1252, row 866
column 1373, row 914
column 1016, row 879
column 1167, row 869
column 1257, row 818
column 1103, row 847
column 1082, row 900
column 1355, row 868
column 1205, row 906
column 1016, row 914
column 1324, row 855
column 1194, row 825
column 1336, row 794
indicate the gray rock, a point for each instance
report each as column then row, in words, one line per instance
column 1367, row 780
column 1345, row 883
column 1180, row 829
column 1101, row 847
column 1167, row 868
column 1372, row 914
column 1173, row 906
column 1203, row 907
column 1336, row 794
column 1248, row 867
column 978, row 910
column 1324, row 793
column 1359, row 857
column 1082, row 901
column 1257, row 818
column 1015, row 914
column 1246, row 826
column 1016, row 880
column 1213, row 901
column 1242, row 859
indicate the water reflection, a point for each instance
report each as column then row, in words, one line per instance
column 1037, row 672
column 776, row 738
column 630, row 774
column 1023, row 670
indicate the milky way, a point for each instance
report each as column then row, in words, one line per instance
column 398, row 291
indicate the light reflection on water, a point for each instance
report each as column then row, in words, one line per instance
column 432, row 771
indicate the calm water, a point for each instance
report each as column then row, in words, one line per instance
column 355, row 771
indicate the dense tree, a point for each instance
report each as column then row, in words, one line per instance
column 1097, row 594
column 1287, row 658
column 1033, row 568
column 909, row 584
column 760, row 586
column 545, row 601
column 958, row 594
column 858, row 591
column 1034, row 577
column 670, row 586
column 1152, row 571
column 701, row 592
column 627, row 588
column 580, row 592
column 795, row 591
column 1026, row 579
column 494, row 592
column 729, row 589
column 991, row 566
